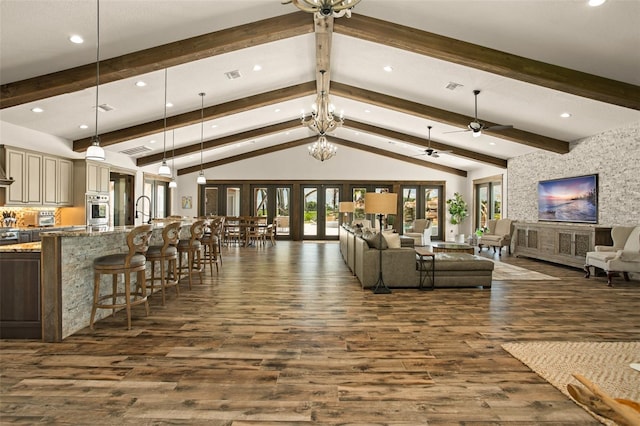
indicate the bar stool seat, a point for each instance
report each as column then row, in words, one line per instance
column 167, row 255
column 192, row 247
column 123, row 263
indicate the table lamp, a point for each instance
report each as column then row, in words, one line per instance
column 380, row 204
column 346, row 207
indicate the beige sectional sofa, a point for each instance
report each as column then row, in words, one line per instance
column 400, row 266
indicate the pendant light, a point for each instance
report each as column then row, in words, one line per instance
column 164, row 169
column 201, row 179
column 173, row 183
column 95, row 151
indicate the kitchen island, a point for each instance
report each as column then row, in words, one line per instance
column 66, row 273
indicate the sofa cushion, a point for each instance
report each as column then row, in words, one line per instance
column 392, row 239
column 374, row 241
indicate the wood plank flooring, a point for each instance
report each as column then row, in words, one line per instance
column 285, row 335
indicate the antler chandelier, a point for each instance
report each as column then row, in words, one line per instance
column 322, row 149
column 322, row 120
column 335, row 8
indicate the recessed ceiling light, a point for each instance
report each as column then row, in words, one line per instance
column 76, row 39
column 213, row 126
column 257, row 67
column 492, row 143
column 169, row 104
column 388, row 68
column 594, row 3
column 36, row 109
column 277, row 110
column 83, row 126
column 140, row 83
column 357, row 133
column 152, row 141
column 367, row 111
column 565, row 115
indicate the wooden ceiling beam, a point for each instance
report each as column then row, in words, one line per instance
column 494, row 61
column 247, row 155
column 338, row 141
column 156, row 58
column 188, row 118
column 215, row 143
column 414, row 140
column 446, row 117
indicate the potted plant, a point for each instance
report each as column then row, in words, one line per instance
column 458, row 211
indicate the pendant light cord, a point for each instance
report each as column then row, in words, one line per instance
column 97, row 66
column 201, row 129
column 164, row 143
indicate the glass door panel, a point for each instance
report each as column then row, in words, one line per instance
column 283, row 197
column 496, row 190
column 211, row 201
column 260, row 199
column 233, row 201
column 432, row 209
column 358, row 201
column 310, row 211
column 332, row 203
column 483, row 205
column 408, row 206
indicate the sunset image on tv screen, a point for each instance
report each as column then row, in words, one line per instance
column 569, row 200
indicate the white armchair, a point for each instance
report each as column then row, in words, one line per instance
column 420, row 231
column 623, row 257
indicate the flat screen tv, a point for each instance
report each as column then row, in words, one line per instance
column 573, row 199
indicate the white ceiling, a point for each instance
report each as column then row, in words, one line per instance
column 604, row 41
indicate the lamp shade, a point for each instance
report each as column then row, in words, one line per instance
column 346, row 207
column 380, row 203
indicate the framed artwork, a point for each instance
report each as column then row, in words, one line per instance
column 187, row 202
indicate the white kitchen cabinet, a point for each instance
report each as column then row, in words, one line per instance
column 98, row 176
column 58, row 181
column 25, row 168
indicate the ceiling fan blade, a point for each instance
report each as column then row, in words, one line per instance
column 500, row 127
column 458, row 131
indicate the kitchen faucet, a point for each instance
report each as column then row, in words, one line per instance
column 141, row 212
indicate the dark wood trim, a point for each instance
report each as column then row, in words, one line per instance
column 455, row 150
column 156, row 58
column 212, row 112
column 447, row 117
column 494, row 61
column 214, row 143
column 51, row 290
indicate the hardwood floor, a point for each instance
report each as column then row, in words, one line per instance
column 285, row 335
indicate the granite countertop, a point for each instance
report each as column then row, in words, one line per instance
column 21, row 248
column 88, row 231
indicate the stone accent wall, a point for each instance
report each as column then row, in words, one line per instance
column 614, row 155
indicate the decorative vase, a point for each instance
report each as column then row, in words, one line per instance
column 460, row 238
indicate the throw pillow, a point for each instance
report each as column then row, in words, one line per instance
column 373, row 241
column 393, row 240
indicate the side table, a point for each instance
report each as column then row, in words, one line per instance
column 423, row 253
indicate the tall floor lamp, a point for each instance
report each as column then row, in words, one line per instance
column 346, row 207
column 380, row 204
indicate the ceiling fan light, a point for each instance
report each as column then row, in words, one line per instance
column 477, row 133
column 95, row 152
column 164, row 169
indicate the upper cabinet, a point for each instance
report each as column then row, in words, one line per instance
column 57, row 185
column 98, row 175
column 38, row 179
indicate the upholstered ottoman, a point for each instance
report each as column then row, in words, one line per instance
column 460, row 270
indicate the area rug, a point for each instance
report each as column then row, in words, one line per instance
column 606, row 364
column 505, row 271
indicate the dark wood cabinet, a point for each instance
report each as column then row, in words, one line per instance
column 20, row 315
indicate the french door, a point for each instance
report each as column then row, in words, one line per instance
column 320, row 212
column 274, row 203
column 424, row 202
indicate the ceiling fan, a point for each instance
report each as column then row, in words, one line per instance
column 430, row 151
column 477, row 126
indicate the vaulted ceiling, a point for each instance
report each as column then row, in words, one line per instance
column 528, row 71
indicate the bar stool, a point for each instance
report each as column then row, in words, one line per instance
column 165, row 254
column 123, row 263
column 192, row 247
column 210, row 245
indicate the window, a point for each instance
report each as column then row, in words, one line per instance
column 488, row 200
